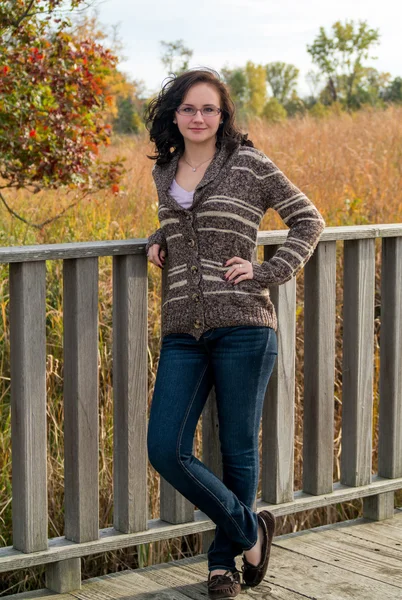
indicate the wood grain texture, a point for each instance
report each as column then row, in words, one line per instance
column 390, row 410
column 319, row 369
column 358, row 359
column 277, row 463
column 379, row 507
column 158, row 529
column 317, row 579
column 353, row 560
column 28, row 405
column 64, row 576
column 356, row 555
column 81, row 435
column 137, row 245
column 130, row 393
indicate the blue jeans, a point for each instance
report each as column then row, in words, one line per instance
column 238, row 361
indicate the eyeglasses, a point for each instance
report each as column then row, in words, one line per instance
column 191, row 111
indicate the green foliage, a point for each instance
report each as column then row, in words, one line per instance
column 256, row 88
column 174, row 52
column 273, row 111
column 371, row 88
column 127, row 120
column 340, row 57
column 319, row 110
column 295, row 105
column 236, row 80
column 52, row 97
column 282, row 79
column 393, row 93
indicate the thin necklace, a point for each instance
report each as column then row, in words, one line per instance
column 195, row 168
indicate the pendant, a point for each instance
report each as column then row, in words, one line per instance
column 194, row 170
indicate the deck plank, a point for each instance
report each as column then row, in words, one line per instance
column 190, row 578
column 319, row 580
column 354, row 554
column 353, row 560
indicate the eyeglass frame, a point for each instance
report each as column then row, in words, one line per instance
column 200, row 110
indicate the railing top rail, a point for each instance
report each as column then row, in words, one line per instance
column 11, row 254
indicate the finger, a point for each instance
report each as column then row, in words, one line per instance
column 235, row 272
column 153, row 255
column 158, row 261
column 233, row 259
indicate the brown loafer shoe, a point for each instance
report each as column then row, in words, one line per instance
column 254, row 574
column 224, row 586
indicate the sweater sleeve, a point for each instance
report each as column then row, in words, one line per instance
column 300, row 214
column 158, row 237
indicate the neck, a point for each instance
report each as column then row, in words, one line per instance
column 197, row 153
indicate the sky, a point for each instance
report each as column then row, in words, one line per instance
column 228, row 33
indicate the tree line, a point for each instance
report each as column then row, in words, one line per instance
column 63, row 93
column 343, row 78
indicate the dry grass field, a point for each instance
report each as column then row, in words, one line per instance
column 350, row 166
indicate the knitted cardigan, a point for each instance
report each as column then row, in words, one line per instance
column 229, row 204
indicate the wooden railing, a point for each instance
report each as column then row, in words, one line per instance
column 27, row 265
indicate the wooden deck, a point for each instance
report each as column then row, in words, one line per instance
column 358, row 559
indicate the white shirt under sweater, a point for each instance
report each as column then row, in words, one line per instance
column 182, row 196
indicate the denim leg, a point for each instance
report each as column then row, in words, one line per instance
column 242, row 360
column 183, row 382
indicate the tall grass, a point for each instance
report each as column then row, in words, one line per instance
column 351, row 168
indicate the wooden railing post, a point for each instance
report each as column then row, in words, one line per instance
column 381, row 506
column 278, row 412
column 357, row 375
column 81, row 414
column 28, row 404
column 319, row 369
column 130, row 385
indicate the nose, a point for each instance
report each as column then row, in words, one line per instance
column 198, row 118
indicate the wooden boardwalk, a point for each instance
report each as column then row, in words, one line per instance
column 359, row 560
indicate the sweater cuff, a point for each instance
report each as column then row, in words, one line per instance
column 268, row 273
column 158, row 237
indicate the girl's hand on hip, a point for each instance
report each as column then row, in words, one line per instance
column 245, row 271
column 156, row 255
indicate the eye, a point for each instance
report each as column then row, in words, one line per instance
column 209, row 109
column 187, row 109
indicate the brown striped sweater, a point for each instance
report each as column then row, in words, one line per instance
column 228, row 206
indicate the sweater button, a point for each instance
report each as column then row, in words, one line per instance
column 197, row 323
column 194, row 268
column 195, row 297
column 188, row 217
column 191, row 243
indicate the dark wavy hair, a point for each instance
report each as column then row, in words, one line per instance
column 159, row 114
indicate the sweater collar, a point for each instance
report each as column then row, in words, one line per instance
column 164, row 175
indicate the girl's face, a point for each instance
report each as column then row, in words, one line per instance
column 198, row 128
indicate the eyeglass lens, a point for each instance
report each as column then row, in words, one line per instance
column 206, row 111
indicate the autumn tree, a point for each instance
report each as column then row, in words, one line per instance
column 52, row 99
column 124, row 106
column 340, row 57
column 282, row 79
column 256, row 88
column 236, row 81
